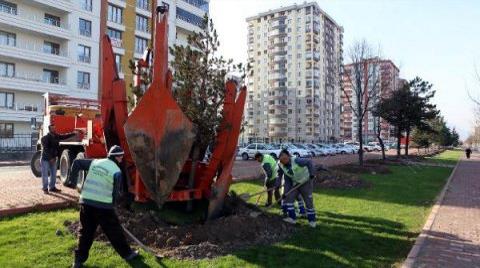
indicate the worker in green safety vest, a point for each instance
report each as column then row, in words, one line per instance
column 297, row 172
column 97, row 198
column 270, row 168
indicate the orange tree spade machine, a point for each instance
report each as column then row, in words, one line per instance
column 157, row 136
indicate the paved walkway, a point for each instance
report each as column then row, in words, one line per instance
column 21, row 192
column 453, row 237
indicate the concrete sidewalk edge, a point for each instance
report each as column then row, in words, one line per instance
column 36, row 208
column 413, row 254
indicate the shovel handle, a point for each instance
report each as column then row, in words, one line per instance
column 291, row 190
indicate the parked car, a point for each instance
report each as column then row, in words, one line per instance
column 350, row 149
column 328, row 149
column 368, row 148
column 306, row 148
column 376, row 146
column 353, row 144
column 343, row 149
column 319, row 151
column 250, row 150
column 293, row 150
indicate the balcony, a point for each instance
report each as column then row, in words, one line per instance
column 63, row 5
column 35, row 53
column 34, row 24
column 32, row 83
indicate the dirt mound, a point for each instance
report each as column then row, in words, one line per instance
column 242, row 226
column 370, row 168
column 339, row 180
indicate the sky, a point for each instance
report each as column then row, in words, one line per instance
column 438, row 41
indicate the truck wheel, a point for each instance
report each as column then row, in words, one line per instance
column 65, row 162
column 36, row 164
column 245, row 156
column 82, row 174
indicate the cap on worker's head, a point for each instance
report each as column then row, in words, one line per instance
column 116, row 151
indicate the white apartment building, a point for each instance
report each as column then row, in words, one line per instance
column 294, row 92
column 45, row 46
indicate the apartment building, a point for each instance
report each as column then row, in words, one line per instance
column 45, row 46
column 388, row 81
column 129, row 25
column 294, row 92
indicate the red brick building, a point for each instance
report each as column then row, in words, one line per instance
column 388, row 81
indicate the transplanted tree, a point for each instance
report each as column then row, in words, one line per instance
column 408, row 107
column 361, row 85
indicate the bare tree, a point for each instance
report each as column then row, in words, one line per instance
column 361, row 84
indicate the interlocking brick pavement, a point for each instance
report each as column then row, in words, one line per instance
column 453, row 238
column 21, row 192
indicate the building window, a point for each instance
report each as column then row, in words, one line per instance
column 8, row 7
column 118, row 62
column 142, row 23
column 52, row 20
column 7, row 100
column 86, row 5
column 84, row 53
column 85, row 27
column 8, row 39
column 83, row 80
column 115, row 14
column 7, row 69
column 191, row 18
column 115, row 37
column 6, row 130
column 51, row 48
column 143, row 4
column 140, row 44
column 202, row 4
column 50, row 76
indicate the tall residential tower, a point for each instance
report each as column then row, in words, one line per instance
column 294, row 92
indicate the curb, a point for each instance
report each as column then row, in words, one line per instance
column 14, row 164
column 35, row 208
column 420, row 241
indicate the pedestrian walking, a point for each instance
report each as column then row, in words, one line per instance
column 298, row 172
column 468, row 152
column 100, row 190
column 270, row 168
column 50, row 151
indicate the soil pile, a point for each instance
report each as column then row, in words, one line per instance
column 339, row 180
column 243, row 226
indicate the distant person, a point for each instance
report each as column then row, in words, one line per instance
column 297, row 172
column 270, row 168
column 50, row 151
column 468, row 152
column 100, row 191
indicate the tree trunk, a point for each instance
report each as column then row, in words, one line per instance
column 191, row 178
column 407, row 141
column 399, row 137
column 360, row 140
column 382, row 145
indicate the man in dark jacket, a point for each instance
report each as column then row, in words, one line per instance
column 50, row 151
column 97, row 199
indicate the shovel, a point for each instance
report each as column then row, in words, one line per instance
column 246, row 196
column 140, row 244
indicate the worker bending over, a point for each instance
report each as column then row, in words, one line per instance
column 97, row 198
column 270, row 168
column 297, row 172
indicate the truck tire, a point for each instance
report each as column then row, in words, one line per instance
column 36, row 164
column 245, row 156
column 64, row 164
column 82, row 174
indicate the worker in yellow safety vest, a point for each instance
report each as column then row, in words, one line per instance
column 270, row 168
column 97, row 198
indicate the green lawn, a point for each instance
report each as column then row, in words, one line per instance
column 448, row 157
column 356, row 228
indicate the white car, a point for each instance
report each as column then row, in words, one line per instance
column 319, row 151
column 376, row 146
column 343, row 149
column 354, row 145
column 328, row 149
column 298, row 152
column 250, row 150
column 306, row 148
column 350, row 149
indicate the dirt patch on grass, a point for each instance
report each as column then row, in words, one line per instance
column 336, row 179
column 367, row 168
column 243, row 226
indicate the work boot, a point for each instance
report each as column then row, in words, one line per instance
column 289, row 220
column 312, row 224
column 55, row 190
column 132, row 255
column 77, row 264
column 45, row 191
column 268, row 204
